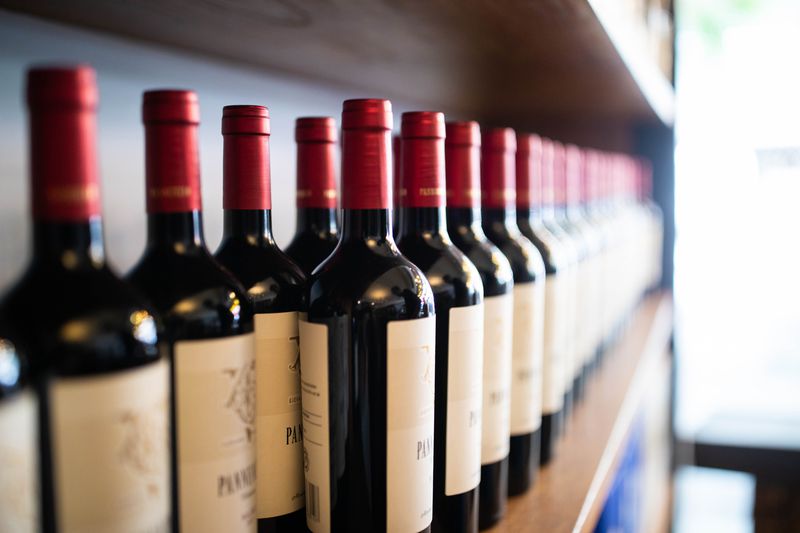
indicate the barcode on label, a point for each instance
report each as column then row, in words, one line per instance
column 312, row 502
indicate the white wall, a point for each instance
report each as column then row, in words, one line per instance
column 125, row 69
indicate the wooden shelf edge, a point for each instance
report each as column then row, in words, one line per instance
column 654, row 86
column 657, row 339
column 570, row 492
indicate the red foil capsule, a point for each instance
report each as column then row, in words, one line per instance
column 63, row 162
column 573, row 168
column 366, row 138
column 397, row 158
column 529, row 170
column 462, row 151
column 422, row 170
column 548, row 175
column 246, row 173
column 559, row 174
column 498, row 166
column 316, row 139
column 172, row 165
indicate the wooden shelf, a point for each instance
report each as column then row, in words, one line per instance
column 522, row 64
column 570, row 492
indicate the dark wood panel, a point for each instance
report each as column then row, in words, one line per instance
column 500, row 61
column 570, row 492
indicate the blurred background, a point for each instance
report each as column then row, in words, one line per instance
column 723, row 134
column 737, row 331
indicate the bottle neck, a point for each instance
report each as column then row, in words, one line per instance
column 529, row 214
column 253, row 226
column 73, row 244
column 366, row 225
column 505, row 215
column 317, row 220
column 422, row 220
column 179, row 232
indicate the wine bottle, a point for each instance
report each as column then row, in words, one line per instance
column 500, row 225
column 559, row 262
column 575, row 236
column 317, row 232
column 101, row 380
column 275, row 286
column 19, row 512
column 589, row 280
column 570, row 281
column 458, row 297
column 462, row 165
column 367, row 354
column 208, row 325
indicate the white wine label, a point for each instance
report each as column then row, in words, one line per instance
column 215, row 408
column 279, row 434
column 572, row 325
column 316, row 424
column 556, row 306
column 410, row 382
column 464, row 400
column 110, row 443
column 497, row 343
column 526, row 364
column 18, row 464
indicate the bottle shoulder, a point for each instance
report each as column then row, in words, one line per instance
column 273, row 281
column 80, row 322
column 526, row 261
column 493, row 267
column 359, row 278
column 309, row 250
column 449, row 271
column 195, row 295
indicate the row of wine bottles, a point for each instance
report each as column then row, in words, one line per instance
column 369, row 378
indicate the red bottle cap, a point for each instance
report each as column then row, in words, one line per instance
column 529, row 170
column 64, row 180
column 172, row 162
column 559, row 174
column 462, row 149
column 245, row 163
column 573, row 169
column 397, row 157
column 548, row 177
column 366, row 127
column 498, row 166
column 422, row 171
column 316, row 155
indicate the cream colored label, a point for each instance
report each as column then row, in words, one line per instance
column 279, row 434
column 18, row 464
column 526, row 364
column 316, row 424
column 410, row 382
column 497, row 343
column 464, row 399
column 555, row 343
column 215, row 395
column 110, row 451
column 572, row 325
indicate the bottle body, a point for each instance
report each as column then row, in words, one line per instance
column 18, row 439
column 357, row 299
column 497, row 280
